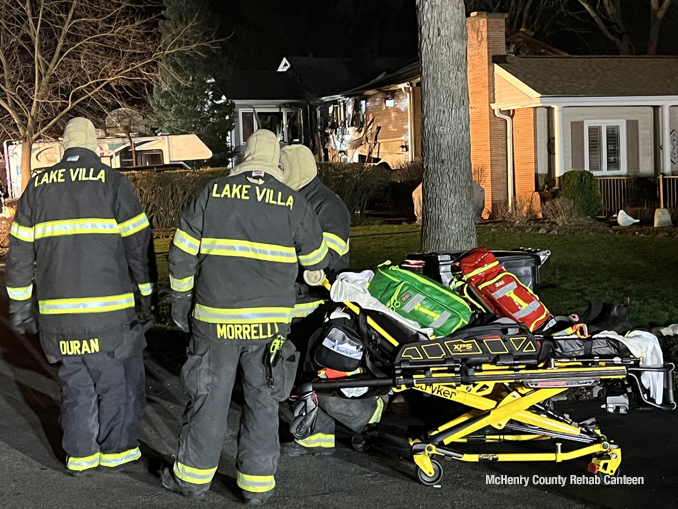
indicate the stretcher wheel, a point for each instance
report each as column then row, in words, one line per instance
column 437, row 475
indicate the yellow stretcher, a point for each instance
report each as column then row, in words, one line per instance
column 507, row 401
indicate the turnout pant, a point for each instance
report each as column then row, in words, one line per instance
column 103, row 401
column 353, row 413
column 208, row 376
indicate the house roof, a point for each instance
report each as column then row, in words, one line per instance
column 263, row 85
column 409, row 72
column 595, row 76
column 324, row 77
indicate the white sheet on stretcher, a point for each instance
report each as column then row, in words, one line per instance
column 352, row 287
column 646, row 347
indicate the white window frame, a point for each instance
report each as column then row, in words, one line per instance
column 623, row 168
column 284, row 111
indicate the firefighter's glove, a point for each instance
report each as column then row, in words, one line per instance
column 181, row 309
column 145, row 312
column 22, row 317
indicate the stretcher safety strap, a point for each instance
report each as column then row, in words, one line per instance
column 186, row 243
column 134, row 225
column 181, row 285
column 376, row 417
column 315, row 257
column 22, row 232
column 80, row 464
column 242, row 315
column 247, row 249
column 88, row 305
column 336, row 243
column 305, row 309
column 146, row 289
column 59, row 228
column 318, row 440
column 255, row 483
column 120, row 458
column 23, row 293
column 194, row 475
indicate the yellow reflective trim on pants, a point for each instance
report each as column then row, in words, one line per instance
column 247, row 249
column 318, row 440
column 80, row 464
column 306, row 308
column 134, row 225
column 181, row 285
column 194, row 475
column 93, row 225
column 242, row 315
column 336, row 243
column 315, row 257
column 119, row 458
column 23, row 293
column 87, row 305
column 376, row 417
column 255, row 483
column 146, row 289
column 186, row 243
column 22, row 232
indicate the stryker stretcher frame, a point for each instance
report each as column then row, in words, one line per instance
column 511, row 397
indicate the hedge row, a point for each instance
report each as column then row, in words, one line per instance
column 165, row 194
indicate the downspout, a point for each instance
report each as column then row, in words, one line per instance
column 509, row 154
column 410, row 122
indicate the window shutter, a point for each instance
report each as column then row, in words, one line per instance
column 595, row 148
column 632, row 146
column 577, row 132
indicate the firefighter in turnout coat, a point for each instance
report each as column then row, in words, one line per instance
column 233, row 262
column 80, row 231
column 301, row 174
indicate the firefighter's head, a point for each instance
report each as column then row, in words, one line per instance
column 80, row 133
column 299, row 166
column 262, row 153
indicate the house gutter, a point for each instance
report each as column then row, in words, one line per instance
column 509, row 154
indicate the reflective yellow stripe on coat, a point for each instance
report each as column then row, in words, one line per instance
column 306, row 308
column 76, row 227
column 23, row 293
column 181, row 285
column 255, row 483
column 247, row 249
column 186, row 243
column 242, row 315
column 336, row 243
column 87, row 305
column 315, row 257
column 22, row 232
column 134, row 225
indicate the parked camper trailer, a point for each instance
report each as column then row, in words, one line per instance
column 151, row 151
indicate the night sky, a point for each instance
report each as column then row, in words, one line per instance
column 263, row 31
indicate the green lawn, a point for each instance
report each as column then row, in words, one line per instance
column 581, row 267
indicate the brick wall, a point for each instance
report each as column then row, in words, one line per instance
column 525, row 148
column 486, row 38
column 393, row 121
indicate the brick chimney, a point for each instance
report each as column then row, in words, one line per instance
column 486, row 39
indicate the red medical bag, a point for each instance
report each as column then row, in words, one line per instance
column 501, row 291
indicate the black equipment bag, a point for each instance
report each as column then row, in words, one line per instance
column 338, row 346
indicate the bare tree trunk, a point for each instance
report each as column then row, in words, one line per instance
column 657, row 14
column 132, row 147
column 448, row 221
column 26, row 147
